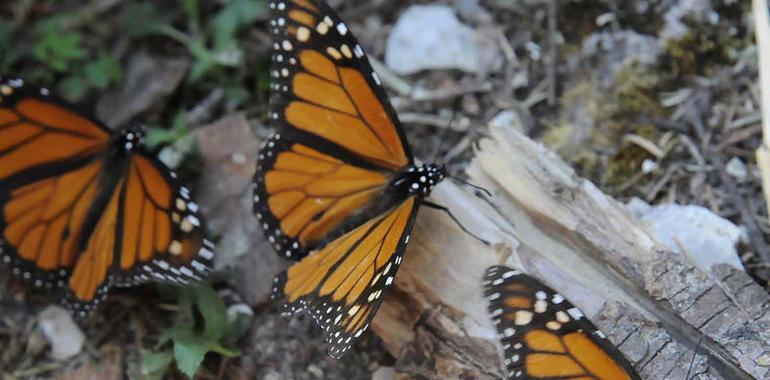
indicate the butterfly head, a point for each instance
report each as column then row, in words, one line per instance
column 419, row 180
column 131, row 138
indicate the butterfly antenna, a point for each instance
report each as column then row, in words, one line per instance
column 448, row 212
column 466, row 183
column 446, row 130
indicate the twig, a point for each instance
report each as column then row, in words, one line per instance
column 390, row 79
column 202, row 111
column 716, row 158
column 662, row 182
column 418, row 94
column 552, row 52
column 423, row 95
column 460, row 125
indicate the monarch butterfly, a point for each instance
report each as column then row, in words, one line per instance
column 338, row 178
column 83, row 208
column 544, row 336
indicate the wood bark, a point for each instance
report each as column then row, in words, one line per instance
column 666, row 316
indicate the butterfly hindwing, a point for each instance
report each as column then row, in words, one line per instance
column 303, row 196
column 150, row 230
column 544, row 336
column 162, row 236
column 342, row 284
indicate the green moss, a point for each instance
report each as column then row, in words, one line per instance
column 707, row 46
column 609, row 115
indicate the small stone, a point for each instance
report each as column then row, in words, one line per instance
column 430, row 37
column 736, row 169
column 705, row 237
column 507, row 119
column 63, row 334
column 384, row 373
column 649, row 166
column 316, row 371
column 764, row 360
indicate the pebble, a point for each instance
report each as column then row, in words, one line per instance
column 430, row 37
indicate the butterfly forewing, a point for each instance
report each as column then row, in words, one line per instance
column 324, row 86
column 49, row 172
column 328, row 107
column 544, row 336
column 342, row 285
column 79, row 217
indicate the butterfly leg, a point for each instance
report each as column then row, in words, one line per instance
column 449, row 212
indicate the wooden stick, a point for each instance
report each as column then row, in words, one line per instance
column 561, row 229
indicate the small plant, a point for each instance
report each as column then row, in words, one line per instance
column 157, row 136
column 202, row 327
column 62, row 54
column 98, row 74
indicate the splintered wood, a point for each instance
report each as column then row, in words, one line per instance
column 663, row 313
column 762, row 28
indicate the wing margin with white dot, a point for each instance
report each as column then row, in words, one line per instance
column 323, row 84
column 342, row 285
column 544, row 336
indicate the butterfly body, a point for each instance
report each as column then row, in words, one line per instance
column 83, row 208
column 417, row 180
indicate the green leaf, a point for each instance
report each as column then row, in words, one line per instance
column 226, row 352
column 192, row 10
column 236, row 14
column 213, row 310
column 56, row 47
column 155, row 364
column 158, row 135
column 73, row 88
column 189, row 352
column 104, row 71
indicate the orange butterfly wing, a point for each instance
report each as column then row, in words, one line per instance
column 49, row 174
column 149, row 231
column 305, row 196
column 64, row 224
column 342, row 284
column 544, row 336
column 328, row 103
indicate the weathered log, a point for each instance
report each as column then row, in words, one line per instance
column 666, row 316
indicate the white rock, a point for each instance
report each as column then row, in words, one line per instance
column 648, row 166
column 705, row 237
column 681, row 11
column 63, row 334
column 384, row 373
column 507, row 119
column 431, row 37
column 736, row 169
